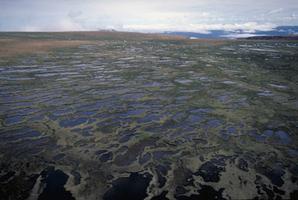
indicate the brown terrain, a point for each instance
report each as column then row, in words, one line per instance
column 14, row 46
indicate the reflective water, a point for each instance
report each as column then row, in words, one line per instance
column 152, row 119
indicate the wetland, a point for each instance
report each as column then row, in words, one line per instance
column 133, row 116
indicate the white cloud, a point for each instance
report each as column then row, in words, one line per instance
column 29, row 29
column 241, row 35
column 144, row 15
column 68, row 25
column 65, row 24
column 249, row 27
column 279, row 10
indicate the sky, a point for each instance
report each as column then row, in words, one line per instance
column 146, row 15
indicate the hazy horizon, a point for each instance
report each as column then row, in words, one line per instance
column 147, row 16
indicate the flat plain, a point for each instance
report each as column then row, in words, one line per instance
column 109, row 115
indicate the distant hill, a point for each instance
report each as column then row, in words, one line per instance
column 278, row 31
column 291, row 37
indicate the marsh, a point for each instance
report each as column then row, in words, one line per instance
column 145, row 116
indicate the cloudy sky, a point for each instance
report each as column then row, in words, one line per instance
column 146, row 15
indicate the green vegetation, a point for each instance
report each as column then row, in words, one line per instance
column 190, row 113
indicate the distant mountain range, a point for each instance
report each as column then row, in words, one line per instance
column 278, row 31
column 289, row 37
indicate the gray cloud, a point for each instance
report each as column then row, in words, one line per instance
column 144, row 15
